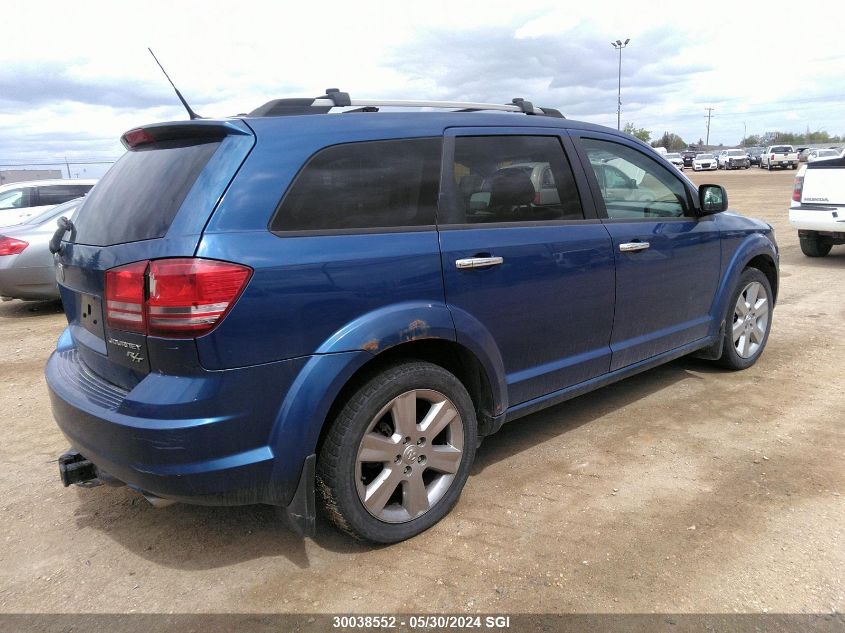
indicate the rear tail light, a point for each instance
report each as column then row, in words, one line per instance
column 772, row 157
column 191, row 295
column 537, row 198
column 125, row 297
column 11, row 246
column 797, row 188
column 181, row 297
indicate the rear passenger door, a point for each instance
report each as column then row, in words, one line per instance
column 667, row 258
column 533, row 267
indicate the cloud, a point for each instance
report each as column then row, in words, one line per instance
column 560, row 70
column 29, row 84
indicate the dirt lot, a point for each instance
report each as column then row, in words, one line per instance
column 684, row 489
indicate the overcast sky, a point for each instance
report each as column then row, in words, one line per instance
column 75, row 75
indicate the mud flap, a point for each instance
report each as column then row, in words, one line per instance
column 301, row 512
column 714, row 350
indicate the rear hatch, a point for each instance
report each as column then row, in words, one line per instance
column 824, row 183
column 152, row 205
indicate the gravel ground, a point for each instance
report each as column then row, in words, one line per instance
column 684, row 489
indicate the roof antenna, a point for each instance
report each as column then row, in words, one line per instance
column 191, row 114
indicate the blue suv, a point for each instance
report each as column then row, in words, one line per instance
column 330, row 302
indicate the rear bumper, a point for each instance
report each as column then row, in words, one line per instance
column 201, row 439
column 827, row 220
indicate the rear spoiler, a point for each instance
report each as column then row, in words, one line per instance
column 181, row 131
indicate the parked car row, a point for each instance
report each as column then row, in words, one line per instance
column 774, row 156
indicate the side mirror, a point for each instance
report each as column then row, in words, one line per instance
column 712, row 199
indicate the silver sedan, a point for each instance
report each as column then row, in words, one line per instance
column 26, row 263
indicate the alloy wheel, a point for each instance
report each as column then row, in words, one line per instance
column 750, row 320
column 409, row 455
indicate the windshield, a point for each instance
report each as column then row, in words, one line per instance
column 11, row 199
column 671, row 156
column 736, row 152
column 705, row 157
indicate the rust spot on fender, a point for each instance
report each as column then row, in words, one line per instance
column 371, row 345
column 416, row 329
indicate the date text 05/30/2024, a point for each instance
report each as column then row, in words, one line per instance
column 421, row 621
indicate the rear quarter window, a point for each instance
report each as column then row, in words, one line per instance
column 140, row 195
column 362, row 186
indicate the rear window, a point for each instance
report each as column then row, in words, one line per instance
column 140, row 195
column 368, row 185
column 781, row 149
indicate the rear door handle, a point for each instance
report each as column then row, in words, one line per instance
column 478, row 262
column 632, row 247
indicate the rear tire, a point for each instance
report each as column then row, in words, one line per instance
column 812, row 246
column 397, row 455
column 748, row 321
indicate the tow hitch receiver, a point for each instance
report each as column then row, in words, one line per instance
column 75, row 469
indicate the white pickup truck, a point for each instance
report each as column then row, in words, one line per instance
column 779, row 156
column 818, row 206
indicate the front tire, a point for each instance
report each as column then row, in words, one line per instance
column 748, row 320
column 397, row 455
column 812, row 246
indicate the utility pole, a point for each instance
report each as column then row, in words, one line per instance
column 709, row 110
column 619, row 45
column 744, row 132
column 68, row 167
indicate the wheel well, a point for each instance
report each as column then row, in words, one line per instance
column 766, row 265
column 450, row 356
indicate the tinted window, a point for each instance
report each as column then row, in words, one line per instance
column 632, row 184
column 57, row 194
column 16, row 198
column 139, row 196
column 371, row 185
column 781, row 149
column 512, row 179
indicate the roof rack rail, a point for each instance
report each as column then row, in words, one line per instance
column 335, row 98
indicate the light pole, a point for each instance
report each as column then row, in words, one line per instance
column 619, row 45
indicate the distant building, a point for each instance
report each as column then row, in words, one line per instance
column 20, row 175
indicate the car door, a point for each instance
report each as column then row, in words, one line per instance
column 667, row 258
column 532, row 275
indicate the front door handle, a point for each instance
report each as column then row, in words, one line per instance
column 633, row 247
column 478, row 262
